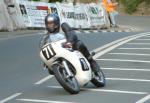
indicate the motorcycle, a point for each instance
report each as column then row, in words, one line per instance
column 71, row 69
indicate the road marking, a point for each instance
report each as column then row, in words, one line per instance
column 113, row 43
column 119, row 44
column 10, row 97
column 135, row 48
column 142, row 39
column 106, row 90
column 124, row 60
column 116, row 91
column 19, row 36
column 138, row 43
column 109, row 44
column 144, row 99
column 127, row 69
column 43, row 80
column 128, row 79
column 129, row 54
column 42, row 101
column 55, row 87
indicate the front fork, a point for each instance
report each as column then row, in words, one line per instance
column 67, row 69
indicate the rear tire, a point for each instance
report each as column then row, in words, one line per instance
column 70, row 84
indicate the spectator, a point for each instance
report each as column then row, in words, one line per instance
column 112, row 13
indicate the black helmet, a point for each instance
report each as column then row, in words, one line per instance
column 52, row 23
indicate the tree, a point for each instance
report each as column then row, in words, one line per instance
column 131, row 5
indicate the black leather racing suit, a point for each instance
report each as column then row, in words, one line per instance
column 73, row 39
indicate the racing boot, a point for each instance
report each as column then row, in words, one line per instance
column 94, row 65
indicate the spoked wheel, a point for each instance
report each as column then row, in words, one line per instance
column 99, row 77
column 70, row 84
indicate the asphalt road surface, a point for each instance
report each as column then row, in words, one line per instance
column 125, row 63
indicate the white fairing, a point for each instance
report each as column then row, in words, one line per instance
column 82, row 76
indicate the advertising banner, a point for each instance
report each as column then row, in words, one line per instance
column 81, row 17
column 66, row 13
column 95, row 14
column 34, row 12
column 78, row 16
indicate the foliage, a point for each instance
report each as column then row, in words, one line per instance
column 131, row 5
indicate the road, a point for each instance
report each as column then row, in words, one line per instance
column 123, row 56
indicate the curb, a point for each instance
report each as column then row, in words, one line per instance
column 102, row 31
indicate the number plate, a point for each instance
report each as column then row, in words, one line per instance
column 48, row 52
column 84, row 64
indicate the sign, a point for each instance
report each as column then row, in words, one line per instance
column 95, row 14
column 81, row 17
column 66, row 13
column 78, row 16
column 34, row 13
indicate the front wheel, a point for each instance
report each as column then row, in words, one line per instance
column 99, row 77
column 70, row 84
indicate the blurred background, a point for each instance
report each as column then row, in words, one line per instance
column 135, row 7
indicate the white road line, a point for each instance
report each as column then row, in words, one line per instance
column 107, row 45
column 116, row 91
column 42, row 101
column 55, row 87
column 119, row 44
column 138, row 43
column 129, row 54
column 135, row 48
column 110, row 44
column 128, row 79
column 143, row 39
column 106, row 90
column 20, row 36
column 9, row 98
column 127, row 69
column 43, row 80
column 144, row 99
column 124, row 60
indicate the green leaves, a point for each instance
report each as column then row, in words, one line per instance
column 131, row 5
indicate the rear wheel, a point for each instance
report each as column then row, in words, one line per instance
column 99, row 77
column 70, row 84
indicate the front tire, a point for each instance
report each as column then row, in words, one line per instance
column 69, row 84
